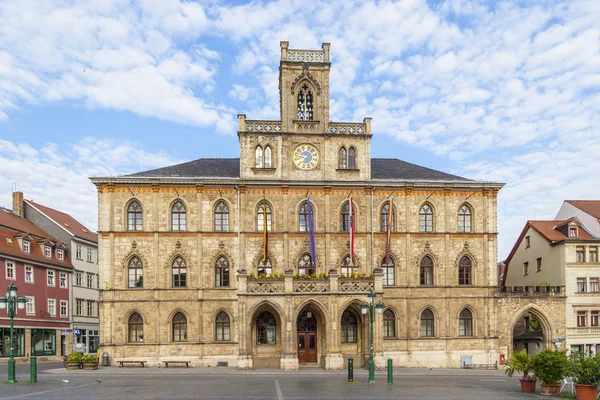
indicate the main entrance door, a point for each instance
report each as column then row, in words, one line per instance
column 307, row 337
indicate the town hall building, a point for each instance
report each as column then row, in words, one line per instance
column 265, row 260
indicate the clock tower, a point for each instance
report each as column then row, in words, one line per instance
column 304, row 145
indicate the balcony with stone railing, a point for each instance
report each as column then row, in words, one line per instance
column 530, row 291
column 584, row 330
column 332, row 128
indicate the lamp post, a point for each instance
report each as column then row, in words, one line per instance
column 11, row 302
column 370, row 308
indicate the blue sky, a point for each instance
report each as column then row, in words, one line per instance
column 492, row 90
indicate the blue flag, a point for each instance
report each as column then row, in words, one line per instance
column 311, row 231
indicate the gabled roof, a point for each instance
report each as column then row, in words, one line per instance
column 591, row 207
column 381, row 168
column 65, row 221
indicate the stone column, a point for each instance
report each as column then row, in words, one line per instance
column 243, row 331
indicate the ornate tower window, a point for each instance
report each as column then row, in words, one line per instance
column 343, row 159
column 258, row 157
column 305, row 265
column 351, row 158
column 305, row 104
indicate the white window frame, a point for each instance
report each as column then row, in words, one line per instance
column 78, row 307
column 53, row 307
column 89, row 254
column 60, row 280
column 60, row 254
column 78, row 278
column 90, row 303
column 50, row 273
column 66, row 306
column 32, row 280
column 30, row 302
column 26, row 246
column 47, row 251
column 10, row 266
column 78, row 251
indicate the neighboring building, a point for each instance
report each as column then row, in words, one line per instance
column 560, row 253
column 38, row 264
column 182, row 246
column 587, row 211
column 83, row 254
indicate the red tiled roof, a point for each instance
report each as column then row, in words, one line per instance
column 591, row 207
column 546, row 229
column 67, row 222
column 10, row 220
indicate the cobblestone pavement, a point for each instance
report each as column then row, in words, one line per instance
column 217, row 383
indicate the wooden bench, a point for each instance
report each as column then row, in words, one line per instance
column 177, row 362
column 142, row 363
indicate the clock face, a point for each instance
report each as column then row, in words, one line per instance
column 306, row 156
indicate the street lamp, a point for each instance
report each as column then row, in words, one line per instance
column 370, row 308
column 11, row 301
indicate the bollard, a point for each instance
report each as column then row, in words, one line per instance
column 33, row 369
column 350, row 370
column 390, row 371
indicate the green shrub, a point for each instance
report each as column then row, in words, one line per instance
column 74, row 357
column 88, row 358
column 519, row 362
column 550, row 366
column 585, row 370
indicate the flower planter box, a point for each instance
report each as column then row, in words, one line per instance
column 551, row 389
column 586, row 392
column 73, row 365
column 90, row 365
column 527, row 385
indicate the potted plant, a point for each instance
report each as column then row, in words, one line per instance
column 89, row 362
column 73, row 361
column 521, row 362
column 585, row 371
column 550, row 367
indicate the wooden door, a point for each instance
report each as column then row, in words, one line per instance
column 307, row 347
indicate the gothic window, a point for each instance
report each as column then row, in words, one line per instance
column 464, row 218
column 464, row 271
column 351, row 158
column 264, row 267
column 268, row 158
column 426, row 219
column 426, row 271
column 427, row 323
column 223, row 326
column 465, row 323
column 305, row 265
column 222, row 272
column 384, row 215
column 178, row 217
column 305, row 104
column 136, row 273
column 259, row 157
column 135, row 328
column 349, row 327
column 388, row 271
column 303, row 216
column 389, row 324
column 266, row 329
column 347, row 266
column 221, row 216
column 345, row 217
column 260, row 216
column 179, row 327
column 179, row 272
column 343, row 159
column 134, row 216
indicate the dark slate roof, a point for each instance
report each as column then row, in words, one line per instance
column 381, row 168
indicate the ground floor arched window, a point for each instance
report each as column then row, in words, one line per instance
column 266, row 329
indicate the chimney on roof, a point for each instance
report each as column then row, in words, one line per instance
column 18, row 203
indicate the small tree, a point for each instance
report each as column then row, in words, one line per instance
column 585, row 370
column 519, row 362
column 550, row 366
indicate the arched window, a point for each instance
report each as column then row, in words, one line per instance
column 343, row 159
column 135, row 328
column 266, row 329
column 305, row 265
column 347, row 265
column 389, row 324
column 260, row 216
column 464, row 271
column 426, row 271
column 178, row 217
column 221, row 216
column 179, row 272
column 179, row 327
column 426, row 219
column 268, row 158
column 388, row 271
column 136, row 273
column 464, row 218
column 345, row 217
column 264, row 267
column 134, row 216
column 351, row 158
column 222, row 272
column 384, row 216
column 349, row 327
column 305, row 104
column 303, row 216
column 427, row 323
column 222, row 326
column 258, row 157
column 465, row 323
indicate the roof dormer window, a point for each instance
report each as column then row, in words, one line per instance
column 60, row 254
column 47, row 251
column 572, row 231
column 26, row 246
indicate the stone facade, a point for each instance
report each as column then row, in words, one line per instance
column 284, row 185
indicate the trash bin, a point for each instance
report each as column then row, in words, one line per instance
column 105, row 362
